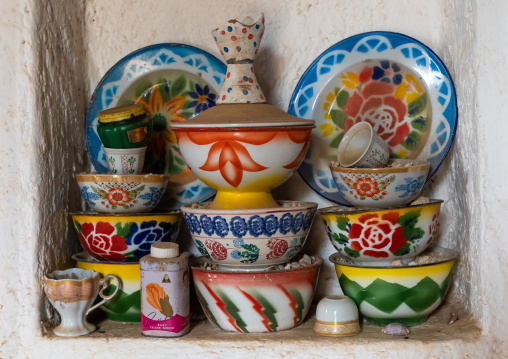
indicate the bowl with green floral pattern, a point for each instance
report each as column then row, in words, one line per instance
column 373, row 237
column 395, row 185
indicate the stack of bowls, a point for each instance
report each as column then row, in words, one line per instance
column 379, row 238
column 122, row 227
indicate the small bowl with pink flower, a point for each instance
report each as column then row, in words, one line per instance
column 107, row 193
column 377, row 237
column 395, row 185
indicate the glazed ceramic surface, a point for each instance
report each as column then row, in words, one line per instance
column 244, row 164
column 248, row 302
column 250, row 238
column 122, row 193
column 337, row 316
column 124, row 238
column 387, row 79
column 125, row 161
column 126, row 305
column 379, row 236
column 380, row 187
column 404, row 295
column 72, row 293
column 174, row 82
column 362, row 147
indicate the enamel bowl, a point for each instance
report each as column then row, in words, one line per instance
column 253, row 238
column 122, row 193
column 374, row 237
column 126, row 305
column 406, row 294
column 381, row 187
column 124, row 238
column 262, row 301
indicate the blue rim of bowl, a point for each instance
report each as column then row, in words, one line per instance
column 335, row 209
column 308, row 72
column 136, row 214
column 454, row 255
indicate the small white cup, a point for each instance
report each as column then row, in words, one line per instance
column 362, row 147
column 125, row 161
column 337, row 316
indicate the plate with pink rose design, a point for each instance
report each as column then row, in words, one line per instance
column 390, row 80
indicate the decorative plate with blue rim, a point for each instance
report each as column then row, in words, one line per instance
column 174, row 82
column 390, row 80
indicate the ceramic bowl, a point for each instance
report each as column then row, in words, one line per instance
column 126, row 305
column 404, row 295
column 261, row 301
column 254, row 238
column 122, row 193
column 125, row 161
column 124, row 238
column 337, row 316
column 243, row 163
column 381, row 187
column 379, row 236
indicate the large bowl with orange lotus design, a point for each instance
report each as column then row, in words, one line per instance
column 243, row 161
column 260, row 301
column 250, row 238
column 377, row 237
column 381, row 187
column 115, row 194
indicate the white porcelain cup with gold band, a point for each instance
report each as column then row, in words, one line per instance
column 337, row 316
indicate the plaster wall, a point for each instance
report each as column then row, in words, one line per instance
column 54, row 53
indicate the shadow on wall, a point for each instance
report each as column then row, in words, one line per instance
column 61, row 102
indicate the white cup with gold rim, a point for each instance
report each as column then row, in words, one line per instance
column 337, row 316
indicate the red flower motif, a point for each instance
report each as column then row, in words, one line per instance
column 118, row 197
column 278, row 248
column 219, row 252
column 433, row 227
column 100, row 241
column 376, row 105
column 377, row 236
column 365, row 187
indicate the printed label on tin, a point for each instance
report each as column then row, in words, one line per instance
column 137, row 135
column 165, row 300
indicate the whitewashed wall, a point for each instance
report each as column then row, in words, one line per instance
column 54, row 53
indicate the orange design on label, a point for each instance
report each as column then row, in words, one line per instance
column 137, row 134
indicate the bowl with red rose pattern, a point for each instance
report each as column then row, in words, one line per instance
column 124, row 238
column 106, row 193
column 395, row 185
column 250, row 238
column 377, row 237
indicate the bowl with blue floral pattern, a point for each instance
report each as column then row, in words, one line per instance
column 124, row 238
column 250, row 238
column 395, row 185
column 106, row 193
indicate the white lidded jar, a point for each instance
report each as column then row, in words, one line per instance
column 165, row 306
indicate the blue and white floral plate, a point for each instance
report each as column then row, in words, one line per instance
column 390, row 80
column 174, row 82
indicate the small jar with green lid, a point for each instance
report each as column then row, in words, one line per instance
column 125, row 127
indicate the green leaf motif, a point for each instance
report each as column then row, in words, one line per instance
column 417, row 106
column 419, row 124
column 335, row 142
column 412, row 140
column 202, row 249
column 178, row 86
column 342, row 222
column 124, row 230
column 342, row 98
column 187, row 114
column 339, row 118
column 351, row 252
column 78, row 227
column 408, row 222
column 250, row 253
column 406, row 248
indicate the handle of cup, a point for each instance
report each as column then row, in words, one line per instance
column 106, row 298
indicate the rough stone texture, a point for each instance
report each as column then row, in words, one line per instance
column 55, row 52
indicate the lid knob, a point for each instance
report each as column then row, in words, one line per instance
column 165, row 250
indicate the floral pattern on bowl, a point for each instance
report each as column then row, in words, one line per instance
column 122, row 193
column 126, row 238
column 378, row 237
column 250, row 237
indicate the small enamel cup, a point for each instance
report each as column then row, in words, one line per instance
column 125, row 161
column 337, row 316
column 362, row 147
column 72, row 293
